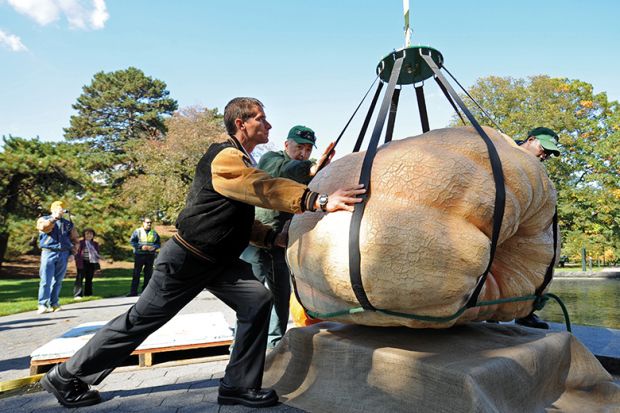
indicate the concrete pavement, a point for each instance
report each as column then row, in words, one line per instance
column 176, row 387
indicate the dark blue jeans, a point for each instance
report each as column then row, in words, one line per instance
column 52, row 272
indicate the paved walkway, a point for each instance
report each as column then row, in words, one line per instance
column 175, row 387
column 184, row 386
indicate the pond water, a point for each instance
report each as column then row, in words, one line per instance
column 590, row 301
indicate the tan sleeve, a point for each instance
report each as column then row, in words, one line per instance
column 45, row 225
column 233, row 178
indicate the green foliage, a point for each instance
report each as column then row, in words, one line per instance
column 118, row 114
column 24, row 237
column 118, row 107
column 168, row 166
column 115, row 113
column 587, row 174
column 32, row 175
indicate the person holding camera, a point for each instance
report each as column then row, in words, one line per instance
column 58, row 240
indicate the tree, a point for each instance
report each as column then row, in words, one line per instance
column 117, row 110
column 168, row 165
column 117, row 114
column 119, row 107
column 32, row 174
column 587, row 174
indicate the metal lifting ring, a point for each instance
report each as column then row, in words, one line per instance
column 414, row 68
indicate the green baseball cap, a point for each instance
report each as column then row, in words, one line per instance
column 302, row 134
column 548, row 139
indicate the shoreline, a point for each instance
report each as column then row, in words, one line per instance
column 609, row 273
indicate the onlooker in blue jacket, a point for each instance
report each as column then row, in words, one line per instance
column 58, row 240
column 145, row 243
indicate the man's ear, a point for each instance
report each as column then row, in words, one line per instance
column 286, row 145
column 239, row 124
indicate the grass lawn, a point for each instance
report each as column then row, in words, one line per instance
column 19, row 295
column 574, row 268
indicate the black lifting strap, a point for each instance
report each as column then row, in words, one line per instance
column 549, row 273
column 358, row 213
column 322, row 165
column 447, row 95
column 419, row 93
column 498, row 176
column 371, row 109
column 355, row 111
column 392, row 118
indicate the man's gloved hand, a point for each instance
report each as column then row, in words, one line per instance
column 324, row 160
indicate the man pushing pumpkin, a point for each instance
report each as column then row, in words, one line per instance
column 215, row 226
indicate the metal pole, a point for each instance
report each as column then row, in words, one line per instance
column 583, row 259
column 407, row 28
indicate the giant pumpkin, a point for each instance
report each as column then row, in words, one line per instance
column 425, row 234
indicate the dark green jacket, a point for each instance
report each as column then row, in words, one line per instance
column 279, row 165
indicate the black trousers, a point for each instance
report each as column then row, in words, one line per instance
column 178, row 278
column 141, row 261
column 83, row 285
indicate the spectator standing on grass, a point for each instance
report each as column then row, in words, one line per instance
column 87, row 263
column 58, row 240
column 145, row 243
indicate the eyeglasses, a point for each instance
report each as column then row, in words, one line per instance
column 306, row 134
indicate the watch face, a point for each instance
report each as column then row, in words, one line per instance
column 323, row 201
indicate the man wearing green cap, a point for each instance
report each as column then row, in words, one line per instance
column 542, row 143
column 269, row 264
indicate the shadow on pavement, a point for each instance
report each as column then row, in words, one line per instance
column 18, row 363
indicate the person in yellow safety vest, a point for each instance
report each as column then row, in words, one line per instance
column 145, row 243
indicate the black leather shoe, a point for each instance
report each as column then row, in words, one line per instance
column 246, row 397
column 71, row 392
column 533, row 321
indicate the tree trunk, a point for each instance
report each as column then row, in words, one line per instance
column 4, row 242
column 11, row 194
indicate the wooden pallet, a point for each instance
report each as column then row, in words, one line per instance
column 179, row 334
column 145, row 356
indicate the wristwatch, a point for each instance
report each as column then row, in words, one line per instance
column 323, row 199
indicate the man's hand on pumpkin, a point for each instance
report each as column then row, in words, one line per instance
column 344, row 199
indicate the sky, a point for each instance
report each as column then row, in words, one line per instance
column 309, row 62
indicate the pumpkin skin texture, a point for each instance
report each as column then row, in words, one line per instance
column 426, row 230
